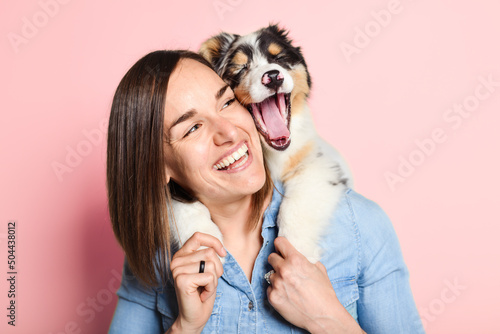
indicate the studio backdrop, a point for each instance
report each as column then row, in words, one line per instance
column 407, row 90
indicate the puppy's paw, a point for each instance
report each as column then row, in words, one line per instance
column 307, row 247
column 190, row 218
column 313, row 254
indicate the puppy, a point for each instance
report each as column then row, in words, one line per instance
column 269, row 76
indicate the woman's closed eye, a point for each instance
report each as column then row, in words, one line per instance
column 228, row 103
column 192, row 129
column 197, row 126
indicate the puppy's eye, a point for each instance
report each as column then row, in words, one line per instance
column 236, row 69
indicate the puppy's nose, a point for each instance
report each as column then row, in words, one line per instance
column 272, row 79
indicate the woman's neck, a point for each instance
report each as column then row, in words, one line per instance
column 240, row 239
column 233, row 220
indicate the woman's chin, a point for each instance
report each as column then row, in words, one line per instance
column 256, row 184
column 248, row 184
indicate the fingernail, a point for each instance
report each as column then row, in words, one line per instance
column 223, row 251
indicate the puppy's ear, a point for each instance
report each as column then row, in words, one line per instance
column 215, row 48
column 282, row 34
column 274, row 29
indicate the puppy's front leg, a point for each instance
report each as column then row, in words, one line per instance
column 311, row 196
column 190, row 218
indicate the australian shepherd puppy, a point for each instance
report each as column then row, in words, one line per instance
column 269, row 76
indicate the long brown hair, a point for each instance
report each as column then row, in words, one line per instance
column 138, row 197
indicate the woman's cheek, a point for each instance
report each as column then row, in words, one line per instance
column 248, row 124
column 197, row 156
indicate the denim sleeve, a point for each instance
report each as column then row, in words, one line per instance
column 386, row 303
column 136, row 309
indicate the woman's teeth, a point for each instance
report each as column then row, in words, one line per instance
column 235, row 157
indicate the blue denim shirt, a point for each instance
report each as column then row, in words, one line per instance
column 364, row 263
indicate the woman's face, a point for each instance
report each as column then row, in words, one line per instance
column 207, row 129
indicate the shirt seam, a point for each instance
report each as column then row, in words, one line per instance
column 240, row 315
column 154, row 308
column 356, row 232
column 263, row 317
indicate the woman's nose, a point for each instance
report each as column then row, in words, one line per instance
column 224, row 131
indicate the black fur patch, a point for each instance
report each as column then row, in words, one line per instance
column 225, row 41
column 342, row 180
column 233, row 73
column 289, row 55
column 234, row 79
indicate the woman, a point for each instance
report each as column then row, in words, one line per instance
column 171, row 121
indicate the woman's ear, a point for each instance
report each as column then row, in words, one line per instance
column 167, row 175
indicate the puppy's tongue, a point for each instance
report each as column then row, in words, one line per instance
column 275, row 123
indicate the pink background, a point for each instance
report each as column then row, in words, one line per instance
column 56, row 89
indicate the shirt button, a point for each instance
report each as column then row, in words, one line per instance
column 250, row 306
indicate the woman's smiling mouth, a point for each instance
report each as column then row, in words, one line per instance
column 233, row 160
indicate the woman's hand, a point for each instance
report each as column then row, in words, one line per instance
column 302, row 293
column 196, row 291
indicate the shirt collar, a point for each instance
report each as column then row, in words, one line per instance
column 271, row 211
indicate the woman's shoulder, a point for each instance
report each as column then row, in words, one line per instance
column 356, row 231
column 132, row 289
column 361, row 228
column 363, row 214
column 376, row 239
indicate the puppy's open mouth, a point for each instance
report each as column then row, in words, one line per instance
column 272, row 118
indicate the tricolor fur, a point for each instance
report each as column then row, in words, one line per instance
column 269, row 76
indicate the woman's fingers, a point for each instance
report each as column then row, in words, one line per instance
column 302, row 292
column 193, row 260
column 321, row 267
column 272, row 280
column 188, row 258
column 185, row 266
column 193, row 267
column 198, row 240
column 209, row 289
column 284, row 247
column 286, row 256
column 195, row 290
column 189, row 282
column 275, row 260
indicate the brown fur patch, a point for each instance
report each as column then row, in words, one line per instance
column 242, row 95
column 240, row 58
column 291, row 168
column 300, row 88
column 274, row 49
column 210, row 48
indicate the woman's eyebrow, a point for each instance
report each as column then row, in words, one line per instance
column 184, row 117
column 221, row 92
column 191, row 112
